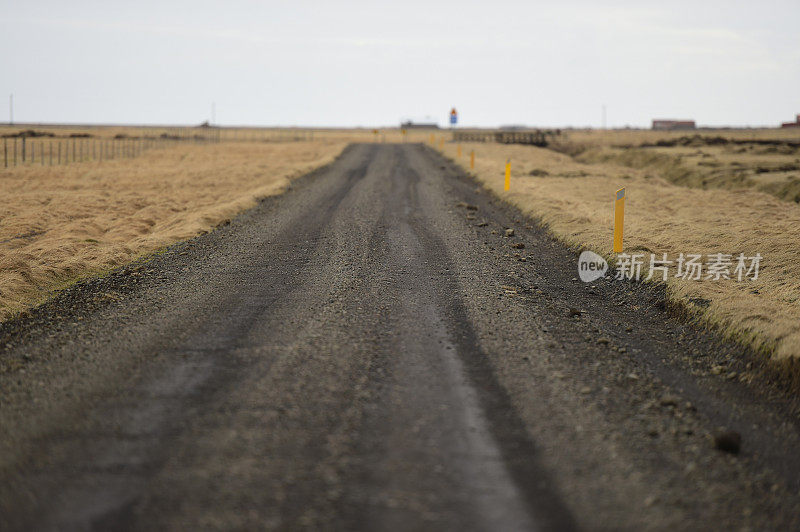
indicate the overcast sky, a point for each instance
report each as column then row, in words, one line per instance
column 548, row 63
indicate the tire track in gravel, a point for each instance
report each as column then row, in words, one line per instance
column 361, row 353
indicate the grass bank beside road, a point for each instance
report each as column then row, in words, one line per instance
column 576, row 200
column 60, row 223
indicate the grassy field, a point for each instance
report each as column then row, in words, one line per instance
column 45, row 132
column 574, row 197
column 61, row 223
column 765, row 160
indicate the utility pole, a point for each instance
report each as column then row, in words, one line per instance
column 10, row 109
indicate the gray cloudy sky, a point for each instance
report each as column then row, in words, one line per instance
column 545, row 63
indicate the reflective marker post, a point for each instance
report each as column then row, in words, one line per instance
column 619, row 215
column 472, row 160
column 508, row 175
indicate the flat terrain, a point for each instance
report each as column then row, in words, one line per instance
column 371, row 351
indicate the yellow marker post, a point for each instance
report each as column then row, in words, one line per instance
column 441, row 143
column 472, row 160
column 403, row 131
column 459, row 150
column 619, row 215
column 433, row 139
column 508, row 175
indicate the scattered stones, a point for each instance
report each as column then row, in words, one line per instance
column 509, row 233
column 481, row 224
column 669, row 400
column 518, row 245
column 728, row 441
column 586, row 390
column 574, row 312
column 603, row 340
column 717, row 370
column 510, row 290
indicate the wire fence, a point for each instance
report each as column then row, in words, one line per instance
column 54, row 145
column 45, row 148
column 17, row 151
column 538, row 137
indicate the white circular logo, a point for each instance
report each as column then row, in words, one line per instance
column 591, row 266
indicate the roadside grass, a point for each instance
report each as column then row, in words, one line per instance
column 60, row 224
column 575, row 200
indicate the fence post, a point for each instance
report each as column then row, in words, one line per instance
column 41, row 152
column 73, row 149
column 50, row 149
column 5, row 152
column 15, row 151
column 59, row 153
column 23, row 150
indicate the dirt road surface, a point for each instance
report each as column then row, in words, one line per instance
column 371, row 351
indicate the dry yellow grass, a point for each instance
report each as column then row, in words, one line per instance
column 53, row 145
column 729, row 159
column 60, row 223
column 243, row 134
column 635, row 137
column 575, row 200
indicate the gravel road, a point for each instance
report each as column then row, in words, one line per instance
column 372, row 351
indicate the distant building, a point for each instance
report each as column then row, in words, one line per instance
column 674, row 124
column 796, row 123
column 419, row 125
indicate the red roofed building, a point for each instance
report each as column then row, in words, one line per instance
column 796, row 123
